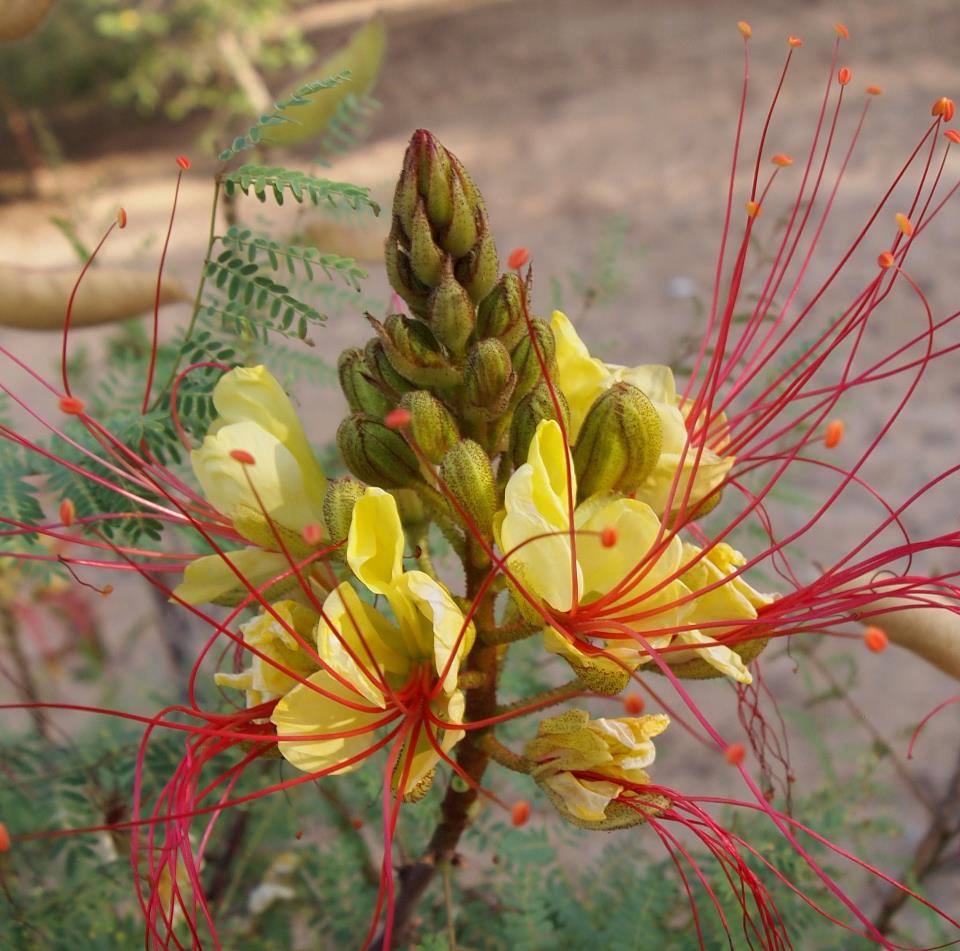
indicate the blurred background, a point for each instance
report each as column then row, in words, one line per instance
column 600, row 135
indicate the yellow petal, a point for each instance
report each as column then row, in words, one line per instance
column 582, row 798
column 606, row 673
column 581, row 378
column 305, row 711
column 211, row 580
column 252, row 393
column 375, row 541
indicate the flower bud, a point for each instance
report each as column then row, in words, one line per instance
column 400, row 273
column 501, row 312
column 426, row 259
column 535, row 407
column 489, row 378
column 433, row 428
column 619, row 442
column 381, row 370
column 361, row 390
column 526, row 362
column 414, row 352
column 377, row 454
column 338, row 502
column 478, row 270
column 466, row 472
column 450, row 312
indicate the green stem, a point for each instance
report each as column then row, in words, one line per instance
column 503, row 755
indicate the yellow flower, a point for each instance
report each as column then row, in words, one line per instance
column 263, row 680
column 583, row 378
column 380, row 667
column 283, row 482
column 613, row 753
column 595, row 592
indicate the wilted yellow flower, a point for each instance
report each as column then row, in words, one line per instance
column 283, row 483
column 381, row 668
column 582, row 378
column 570, row 745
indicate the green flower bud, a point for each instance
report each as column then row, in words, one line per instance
column 426, row 259
column 466, row 472
column 400, row 273
column 381, row 370
column 450, row 312
column 526, row 363
column 414, row 352
column 489, row 378
column 535, row 407
column 478, row 270
column 501, row 312
column 433, row 428
column 410, row 506
column 338, row 502
column 360, row 388
column 377, row 454
column 462, row 232
column 619, row 442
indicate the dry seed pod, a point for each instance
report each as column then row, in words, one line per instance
column 37, row 300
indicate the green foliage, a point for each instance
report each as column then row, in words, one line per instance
column 276, row 182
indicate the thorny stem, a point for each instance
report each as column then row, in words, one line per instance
column 25, row 681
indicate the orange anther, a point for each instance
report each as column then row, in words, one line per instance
column 106, row 591
column 844, row 76
column 753, row 209
column 953, row 135
column 121, row 218
column 312, row 533
column 842, row 31
column 608, row 537
column 875, row 639
column 183, row 162
column 834, row 433
column 71, row 405
column 782, row 160
column 874, row 90
column 746, row 31
column 397, row 418
column 634, row 703
column 357, row 823
column 242, row 456
column 68, row 512
column 4, row 838
column 298, row 835
column 517, row 258
column 520, row 812
column 943, row 107
column 885, row 260
column 794, row 41
column 904, row 224
column 735, row 754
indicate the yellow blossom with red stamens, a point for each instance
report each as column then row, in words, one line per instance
column 582, row 378
column 255, row 467
column 378, row 666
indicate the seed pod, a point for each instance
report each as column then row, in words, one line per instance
column 466, row 472
column 619, row 442
column 488, row 378
column 377, row 454
column 431, row 424
column 535, row 407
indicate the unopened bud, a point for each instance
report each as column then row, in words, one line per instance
column 467, row 474
column 377, row 454
column 401, row 276
column 338, row 502
column 535, row 407
column 414, row 352
column 426, row 259
column 432, row 426
column 528, row 355
column 619, row 442
column 489, row 378
column 501, row 312
column 478, row 270
column 381, row 370
column 450, row 312
column 362, row 393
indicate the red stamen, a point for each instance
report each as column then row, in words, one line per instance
column 398, row 418
column 904, row 224
column 953, row 135
column 795, row 41
column 71, row 405
column 312, row 533
column 4, row 838
column 634, row 703
column 782, row 160
column 183, row 162
column 746, row 31
column 874, row 90
column 735, row 754
column 842, row 31
column 121, row 218
column 753, row 209
column 242, row 456
column 885, row 260
column 943, row 107
column 68, row 512
column 608, row 537
column 875, row 639
column 106, row 591
column 517, row 258
column 834, row 433
column 844, row 76
column 520, row 812
column 356, row 823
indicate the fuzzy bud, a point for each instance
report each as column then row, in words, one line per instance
column 414, row 352
column 433, row 428
column 380, row 369
column 489, row 378
column 450, row 312
column 501, row 312
column 535, row 407
column 338, row 502
column 619, row 442
column 362, row 392
column 478, row 270
column 400, row 273
column 526, row 363
column 466, row 472
column 377, row 454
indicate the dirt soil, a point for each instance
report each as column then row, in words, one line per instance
column 569, row 113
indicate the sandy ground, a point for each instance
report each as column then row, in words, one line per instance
column 568, row 113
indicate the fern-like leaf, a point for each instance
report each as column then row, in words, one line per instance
column 275, row 181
